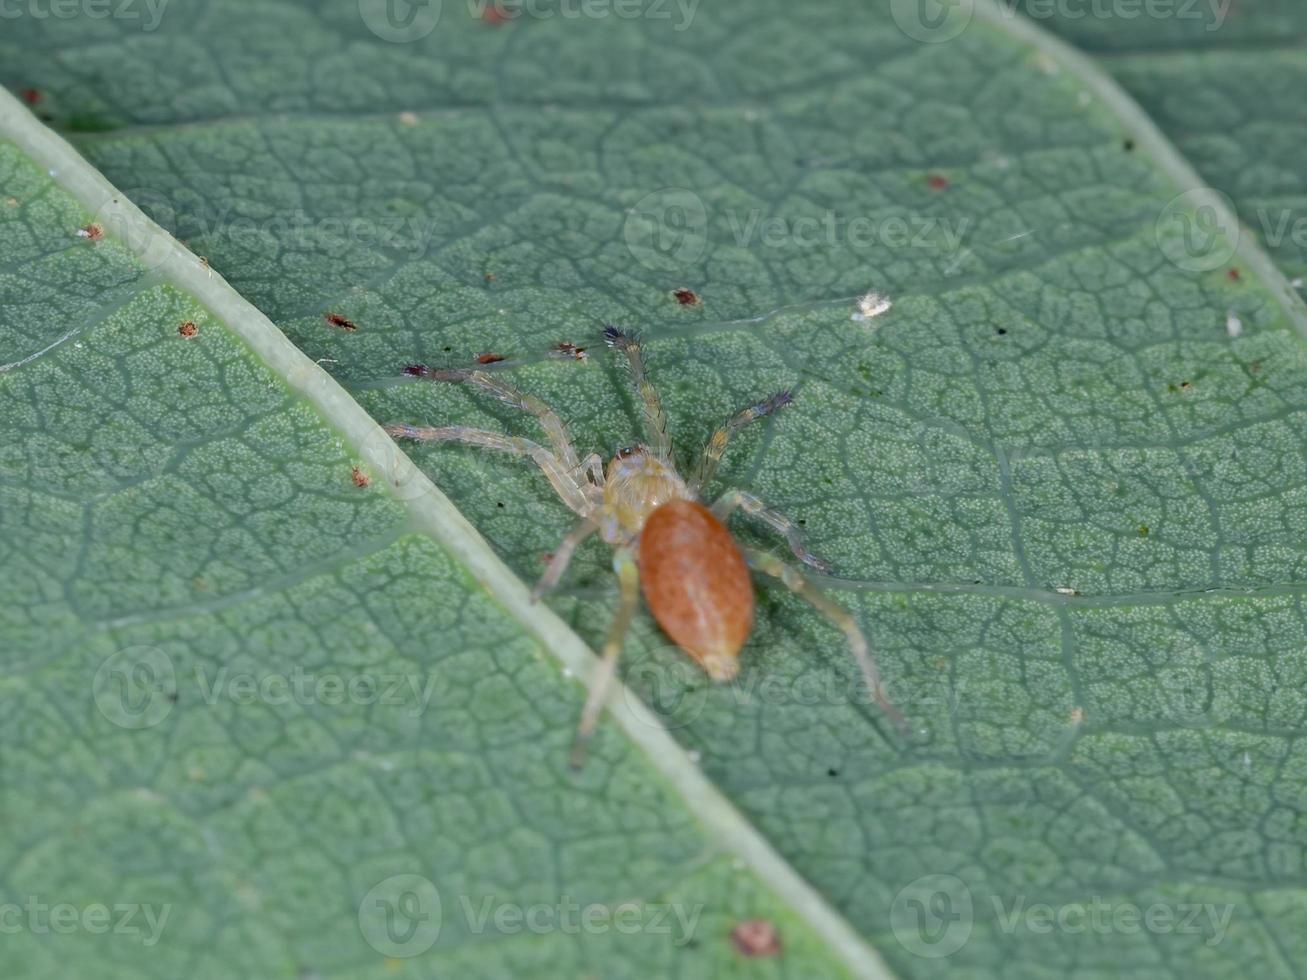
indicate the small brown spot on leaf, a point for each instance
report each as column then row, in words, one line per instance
column 937, row 182
column 756, row 938
column 188, row 329
column 686, row 297
column 489, row 357
column 343, row 322
column 31, row 96
column 490, row 277
column 92, row 232
column 1233, row 274
column 361, row 479
column 570, row 351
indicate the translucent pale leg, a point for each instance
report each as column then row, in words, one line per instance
column 717, row 443
column 594, row 466
column 601, row 680
column 562, row 479
column 775, row 520
column 553, row 426
column 655, row 419
column 793, row 580
column 562, row 557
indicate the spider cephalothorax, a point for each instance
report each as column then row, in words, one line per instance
column 694, row 575
column 636, row 484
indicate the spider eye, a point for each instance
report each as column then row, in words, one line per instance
column 626, row 452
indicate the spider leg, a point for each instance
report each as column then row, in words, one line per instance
column 562, row 557
column 655, row 419
column 594, row 466
column 775, row 520
column 628, row 577
column 560, row 477
column 793, row 580
column 509, row 395
column 712, row 452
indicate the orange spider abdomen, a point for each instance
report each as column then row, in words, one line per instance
column 697, row 584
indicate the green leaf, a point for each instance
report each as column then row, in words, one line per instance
column 1224, row 81
column 1060, row 481
column 263, row 721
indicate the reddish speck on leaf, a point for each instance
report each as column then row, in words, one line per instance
column 343, row 322
column 361, row 479
column 416, row 370
column 571, row 351
column 756, row 938
column 92, row 232
column 31, row 96
column 937, row 182
column 489, row 357
column 188, row 329
column 686, row 297
column 1233, row 274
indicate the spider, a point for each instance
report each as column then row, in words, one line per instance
column 694, row 575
